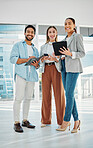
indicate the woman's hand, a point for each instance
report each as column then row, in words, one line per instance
column 52, row 58
column 55, row 55
column 65, row 51
column 44, row 58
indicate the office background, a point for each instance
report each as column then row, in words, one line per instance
column 14, row 15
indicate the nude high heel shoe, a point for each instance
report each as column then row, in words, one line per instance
column 43, row 125
column 63, row 129
column 76, row 130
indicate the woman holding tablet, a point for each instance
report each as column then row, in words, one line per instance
column 71, row 68
column 51, row 76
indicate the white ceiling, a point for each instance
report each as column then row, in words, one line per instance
column 46, row 11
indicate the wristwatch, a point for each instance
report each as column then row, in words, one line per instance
column 38, row 66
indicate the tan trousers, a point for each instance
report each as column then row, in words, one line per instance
column 51, row 77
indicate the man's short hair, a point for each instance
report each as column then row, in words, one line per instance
column 30, row 26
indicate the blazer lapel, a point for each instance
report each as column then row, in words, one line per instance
column 70, row 40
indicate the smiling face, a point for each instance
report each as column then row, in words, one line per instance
column 69, row 26
column 52, row 34
column 29, row 35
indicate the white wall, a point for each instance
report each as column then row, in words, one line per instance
column 46, row 11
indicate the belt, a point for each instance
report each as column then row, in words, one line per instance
column 49, row 64
column 63, row 58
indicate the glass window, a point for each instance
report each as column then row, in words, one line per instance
column 1, row 87
column 86, row 31
column 9, row 34
column 1, row 67
column 1, row 49
column 1, row 58
column 1, row 76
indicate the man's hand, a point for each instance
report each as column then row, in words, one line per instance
column 35, row 63
column 30, row 58
column 21, row 61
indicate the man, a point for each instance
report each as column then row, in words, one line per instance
column 25, row 76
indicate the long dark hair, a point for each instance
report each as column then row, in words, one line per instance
column 73, row 20
column 47, row 37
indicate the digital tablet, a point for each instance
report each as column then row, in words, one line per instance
column 32, row 60
column 58, row 45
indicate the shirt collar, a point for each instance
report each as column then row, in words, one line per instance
column 23, row 41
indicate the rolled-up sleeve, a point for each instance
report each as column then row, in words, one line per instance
column 41, row 53
column 14, row 54
column 80, row 48
column 37, row 55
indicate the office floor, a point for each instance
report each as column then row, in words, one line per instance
column 46, row 137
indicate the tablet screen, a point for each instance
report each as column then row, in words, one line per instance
column 58, row 45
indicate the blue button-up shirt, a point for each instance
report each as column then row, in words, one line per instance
column 19, row 50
